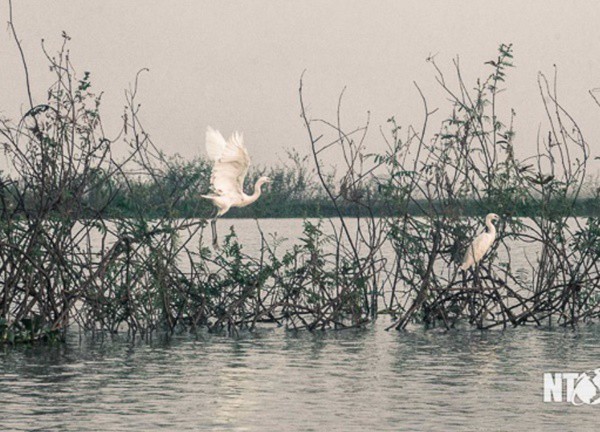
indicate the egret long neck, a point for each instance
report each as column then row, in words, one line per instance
column 490, row 227
column 256, row 193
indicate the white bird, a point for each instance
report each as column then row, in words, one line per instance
column 231, row 162
column 481, row 244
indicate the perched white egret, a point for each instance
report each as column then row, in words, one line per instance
column 231, row 162
column 482, row 243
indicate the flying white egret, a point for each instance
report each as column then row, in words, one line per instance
column 231, row 162
column 481, row 244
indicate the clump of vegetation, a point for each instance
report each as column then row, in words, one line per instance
column 469, row 167
column 103, row 242
column 117, row 244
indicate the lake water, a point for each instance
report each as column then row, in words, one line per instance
column 272, row 379
column 276, row 380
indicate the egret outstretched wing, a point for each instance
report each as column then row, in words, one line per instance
column 231, row 162
column 215, row 143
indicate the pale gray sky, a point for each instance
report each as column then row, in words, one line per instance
column 236, row 64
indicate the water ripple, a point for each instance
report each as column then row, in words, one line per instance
column 353, row 380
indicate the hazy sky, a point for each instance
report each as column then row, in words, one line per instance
column 236, row 64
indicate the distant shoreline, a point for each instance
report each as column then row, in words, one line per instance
column 588, row 207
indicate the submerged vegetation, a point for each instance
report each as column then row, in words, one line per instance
column 118, row 244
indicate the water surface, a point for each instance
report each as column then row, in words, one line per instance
column 351, row 380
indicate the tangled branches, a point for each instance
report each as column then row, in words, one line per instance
column 402, row 220
column 430, row 187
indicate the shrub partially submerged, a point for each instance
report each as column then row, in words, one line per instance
column 91, row 239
